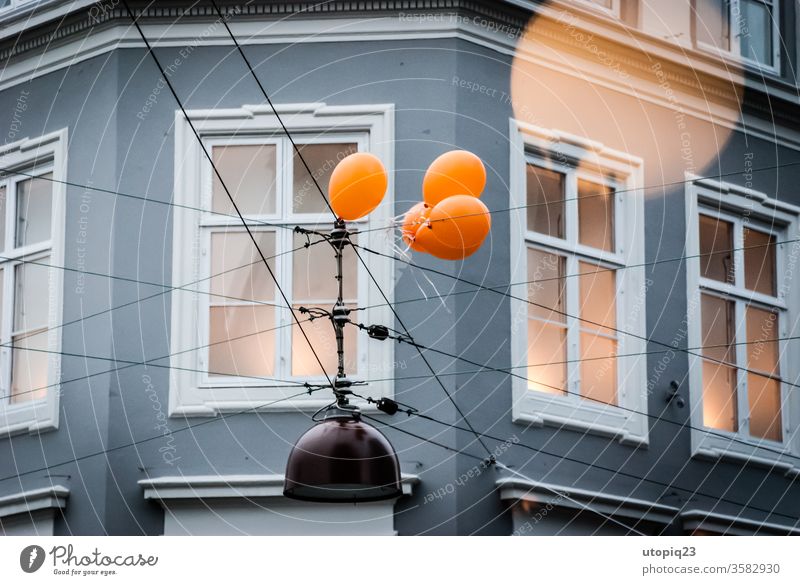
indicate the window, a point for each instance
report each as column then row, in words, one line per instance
column 611, row 7
column 574, row 201
column 741, row 283
column 747, row 28
column 249, row 345
column 9, row 4
column 31, row 234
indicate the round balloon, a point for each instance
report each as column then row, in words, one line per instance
column 460, row 222
column 357, row 185
column 446, row 253
column 413, row 219
column 457, row 172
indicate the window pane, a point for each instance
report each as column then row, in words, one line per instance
column 719, row 381
column 764, row 396
column 545, row 201
column 314, row 272
column 249, row 173
column 598, row 307
column 320, row 333
column 547, row 345
column 241, row 272
column 321, row 159
column 711, row 23
column 34, row 205
column 596, row 215
column 762, row 344
column 242, row 341
column 716, row 245
column 756, row 31
column 759, row 262
column 2, row 218
column 599, row 373
column 29, row 367
column 719, row 397
column 32, row 295
column 545, row 285
column 718, row 328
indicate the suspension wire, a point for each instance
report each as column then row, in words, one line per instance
column 309, row 390
column 222, row 182
column 414, row 412
column 9, row 172
column 507, row 372
column 328, row 204
column 131, row 363
column 566, row 496
column 166, row 288
column 581, row 274
column 604, row 194
column 585, row 507
column 568, row 315
column 478, row 437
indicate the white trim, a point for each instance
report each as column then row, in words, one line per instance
column 734, row 39
column 189, row 395
column 612, row 12
column 109, row 37
column 50, row 150
column 35, row 499
column 255, row 505
column 783, row 218
column 543, row 493
column 203, row 487
column 570, row 411
column 732, row 525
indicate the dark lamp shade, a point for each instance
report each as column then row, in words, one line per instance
column 342, row 460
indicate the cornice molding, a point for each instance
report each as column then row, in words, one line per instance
column 54, row 497
column 770, row 100
column 203, row 487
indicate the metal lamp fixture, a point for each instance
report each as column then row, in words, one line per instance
column 342, row 459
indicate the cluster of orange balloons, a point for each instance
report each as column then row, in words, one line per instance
column 451, row 222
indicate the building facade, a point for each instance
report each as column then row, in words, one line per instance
column 625, row 342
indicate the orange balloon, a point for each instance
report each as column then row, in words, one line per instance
column 413, row 219
column 457, row 224
column 446, row 253
column 457, row 172
column 357, row 185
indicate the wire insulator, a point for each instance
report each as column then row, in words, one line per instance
column 388, row 406
column 379, row 332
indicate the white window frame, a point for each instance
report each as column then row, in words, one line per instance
column 566, row 152
column 193, row 393
column 708, row 197
column 734, row 32
column 614, row 11
column 14, row 4
column 37, row 156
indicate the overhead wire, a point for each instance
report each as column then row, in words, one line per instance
column 224, row 416
column 325, row 199
column 416, row 413
column 600, row 326
column 210, row 159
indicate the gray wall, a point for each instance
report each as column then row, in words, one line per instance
column 110, row 147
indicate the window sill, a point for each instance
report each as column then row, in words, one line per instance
column 30, row 417
column 541, row 409
column 273, row 402
column 714, row 447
